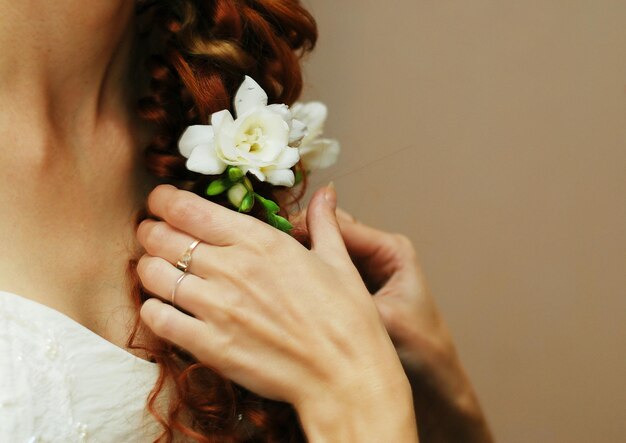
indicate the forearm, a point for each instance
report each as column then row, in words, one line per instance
column 364, row 416
column 442, row 420
column 446, row 406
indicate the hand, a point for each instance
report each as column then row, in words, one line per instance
column 446, row 405
column 288, row 323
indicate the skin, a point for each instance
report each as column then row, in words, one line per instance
column 67, row 111
column 284, row 330
column 446, row 404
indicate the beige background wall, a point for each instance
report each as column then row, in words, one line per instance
column 493, row 133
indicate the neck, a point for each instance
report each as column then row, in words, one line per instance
column 66, row 63
column 71, row 169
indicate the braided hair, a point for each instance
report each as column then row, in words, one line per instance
column 203, row 49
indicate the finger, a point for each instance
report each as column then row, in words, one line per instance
column 326, row 237
column 298, row 220
column 208, row 221
column 162, row 240
column 362, row 240
column 345, row 216
column 193, row 294
column 376, row 253
column 175, row 326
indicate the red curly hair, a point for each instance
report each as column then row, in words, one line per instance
column 203, row 50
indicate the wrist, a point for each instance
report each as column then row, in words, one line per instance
column 363, row 411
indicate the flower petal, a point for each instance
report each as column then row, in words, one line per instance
column 193, row 136
column 297, row 129
column 297, row 132
column 273, row 137
column 219, row 118
column 204, row 160
column 224, row 127
column 282, row 110
column 250, row 95
column 287, row 159
column 257, row 173
column 312, row 114
column 320, row 154
column 281, row 177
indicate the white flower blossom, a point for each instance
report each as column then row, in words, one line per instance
column 315, row 152
column 257, row 140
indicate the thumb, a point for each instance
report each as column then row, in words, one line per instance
column 326, row 239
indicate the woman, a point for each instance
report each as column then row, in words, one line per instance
column 301, row 336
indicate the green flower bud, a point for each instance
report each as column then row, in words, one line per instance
column 235, row 174
column 236, row 194
column 216, row 187
column 247, row 203
column 282, row 223
column 248, row 184
column 269, row 205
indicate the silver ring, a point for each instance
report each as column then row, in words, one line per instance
column 184, row 261
column 176, row 285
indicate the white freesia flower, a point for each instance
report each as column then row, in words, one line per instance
column 315, row 152
column 257, row 141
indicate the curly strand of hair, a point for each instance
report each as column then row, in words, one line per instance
column 206, row 47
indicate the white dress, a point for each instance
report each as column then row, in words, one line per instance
column 61, row 382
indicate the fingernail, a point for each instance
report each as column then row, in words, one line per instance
column 331, row 195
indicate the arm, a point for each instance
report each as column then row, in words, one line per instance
column 446, row 404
